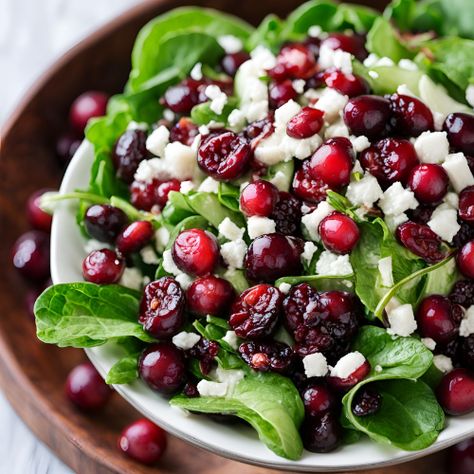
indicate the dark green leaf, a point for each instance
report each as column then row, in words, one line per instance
column 124, row 371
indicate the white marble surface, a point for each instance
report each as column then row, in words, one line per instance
column 33, row 33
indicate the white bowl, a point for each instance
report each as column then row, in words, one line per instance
column 235, row 442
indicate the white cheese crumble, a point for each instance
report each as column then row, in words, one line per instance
column 337, row 129
column 394, row 221
column 257, row 226
column 312, row 220
column 168, row 115
column 236, row 119
column 408, row 64
column 184, row 280
column 432, row 147
column 332, row 264
column 298, row 85
column 207, row 388
column 204, row 130
column 209, row 185
column 335, row 58
column 429, row 343
column 280, row 180
column 233, row 253
column 402, row 321
column 284, row 288
column 315, row 365
column 443, row 363
column 92, row 244
column 467, row 324
column 438, row 119
column 452, row 200
column 231, row 339
column 458, row 171
column 315, row 31
column 155, row 168
column 385, row 270
column 308, row 252
column 137, row 126
column 347, row 365
column 470, row 95
column 359, row 143
column 444, row 222
column 185, row 340
column 284, row 114
column 131, row 278
column 157, row 141
column 230, row 43
column 396, row 200
column 365, row 191
column 218, row 98
column 331, row 103
column 168, row 263
column 149, row 256
column 229, row 230
column 196, row 72
column 186, row 186
column 162, row 237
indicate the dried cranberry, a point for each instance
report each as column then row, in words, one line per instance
column 367, row 115
column 354, row 44
column 420, row 240
column 318, row 400
column 190, row 390
column 294, row 61
column 308, row 188
column 210, row 295
column 345, row 384
column 163, row 190
column 456, row 392
column 421, row 215
column 255, row 313
column 301, row 304
column 465, row 259
column 225, row 156
column 410, row 116
column 162, row 308
column 38, row 218
column 184, row 131
column 306, row 123
column 134, row 237
column 429, row 182
column 104, row 222
column 267, row 355
column 460, row 130
column 346, row 84
column 30, row 255
column 88, row 105
column 143, row 194
column 128, row 152
column 287, row 214
column 461, row 458
column 321, row 435
column 466, row 204
column 464, row 235
column 339, row 233
column 182, row 97
column 463, row 293
column 259, row 198
column 366, row 402
column 103, row 267
column 280, row 93
column 232, row 61
column 205, row 352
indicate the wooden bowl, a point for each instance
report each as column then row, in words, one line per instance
column 32, row 374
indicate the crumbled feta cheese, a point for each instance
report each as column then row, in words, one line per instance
column 384, row 61
column 285, row 113
column 196, row 72
column 337, row 129
column 392, row 304
column 184, row 280
column 256, row 110
column 314, row 31
column 230, row 43
column 452, row 200
column 280, row 180
column 357, row 168
column 229, row 230
column 230, row 377
column 231, row 339
column 92, row 244
column 298, row 85
column 155, row 168
column 209, row 185
column 438, row 119
column 180, row 160
column 257, row 226
column 233, row 253
column 408, row 64
column 168, row 115
column 186, row 186
column 218, row 98
column 236, row 119
column 385, row 270
column 207, row 388
column 396, row 200
column 432, row 147
column 300, row 148
column 168, row 263
column 263, row 57
column 429, row 343
column 470, row 95
column 185, row 340
column 335, row 58
column 157, row 141
column 403, row 89
column 131, row 278
column 402, row 320
column 137, row 126
column 284, row 288
column 365, row 191
column 371, row 60
column 347, row 365
column 148, row 255
column 444, row 222
column 315, row 365
column 467, row 323
column 394, row 221
column 443, row 363
column 331, row 103
column 162, row 237
column 332, row 264
column 204, row 130
column 458, row 171
column 308, row 252
column 359, row 143
column 312, row 220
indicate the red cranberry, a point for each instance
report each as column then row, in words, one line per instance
column 154, row 193
column 366, row 402
column 129, row 151
column 224, row 156
column 66, row 145
column 162, row 308
column 267, row 355
column 255, row 313
column 86, row 388
column 429, row 182
column 210, row 295
column 308, row 188
column 420, row 240
column 31, row 255
column 339, row 233
column 161, row 366
column 367, row 115
column 272, row 256
column 134, row 237
column 182, row 97
column 346, row 84
column 164, row 189
column 86, row 106
column 332, row 162
column 104, row 222
column 299, row 306
column 438, row 318
column 410, row 116
column 321, row 435
column 466, row 204
column 280, row 93
column 259, row 198
column 184, row 131
column 390, row 160
column 36, row 216
column 232, row 61
column 306, row 123
column 465, row 259
column 456, row 392
column 143, row 441
column 460, row 130
column 287, row 215
column 354, row 44
column 461, row 458
column 294, row 61
column 103, row 267
column 318, row 400
column 352, row 380
column 196, row 251
column 205, row 351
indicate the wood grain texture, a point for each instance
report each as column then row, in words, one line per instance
column 31, row 373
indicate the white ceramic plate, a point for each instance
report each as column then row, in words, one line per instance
column 234, row 442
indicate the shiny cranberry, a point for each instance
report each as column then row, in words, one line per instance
column 272, row 256
column 255, row 313
column 210, row 295
column 318, row 400
column 465, row 259
column 134, row 237
column 410, row 116
column 86, row 388
column 366, row 402
column 321, row 435
column 308, row 188
column 352, row 380
column 367, row 115
column 456, row 392
column 205, row 351
column 182, row 97
column 280, row 93
column 143, row 441
column 346, row 84
column 67, row 145
column 143, row 195
column 86, row 106
column 287, row 215
column 429, row 182
column 224, row 156
column 259, row 198
column 460, row 130
column 259, row 129
column 390, row 160
column 339, row 233
column 332, row 162
column 162, row 308
column 104, row 222
column 164, row 189
column 161, row 366
column 420, row 240
column 301, row 304
column 232, row 61
column 354, row 44
column 463, row 293
column 103, row 267
column 267, row 355
column 306, row 123
column 461, row 458
column 129, row 151
column 30, row 255
column 466, row 204
column 184, row 131
column 294, row 61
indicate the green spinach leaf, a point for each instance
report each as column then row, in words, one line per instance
column 202, row 114
column 124, row 371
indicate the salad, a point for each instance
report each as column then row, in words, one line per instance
column 279, row 223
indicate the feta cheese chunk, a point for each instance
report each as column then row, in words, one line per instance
column 467, row 324
column 209, row 185
column 285, row 113
column 443, row 363
column 458, row 171
column 432, row 147
column 444, row 222
column 337, row 129
column 196, row 72
column 284, row 288
column 186, row 186
column 180, row 160
column 335, row 58
column 233, row 253
column 155, row 168
column 308, row 252
column 93, row 244
column 207, row 388
column 402, row 321
column 385, row 270
column 131, row 278
column 365, row 191
column 331, row 103
column 359, row 143
column 218, row 98
column 185, row 340
column 231, row 339
column 280, row 180
column 184, row 280
column 257, row 226
column 347, row 365
column 162, row 237
column 396, row 200
column 168, row 263
column 230, row 43
column 470, row 95
column 236, row 119
column 332, row 264
column 312, row 220
column 298, row 85
column 394, row 221
column 229, row 230
column 429, row 343
column 315, row 365
column 157, row 141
